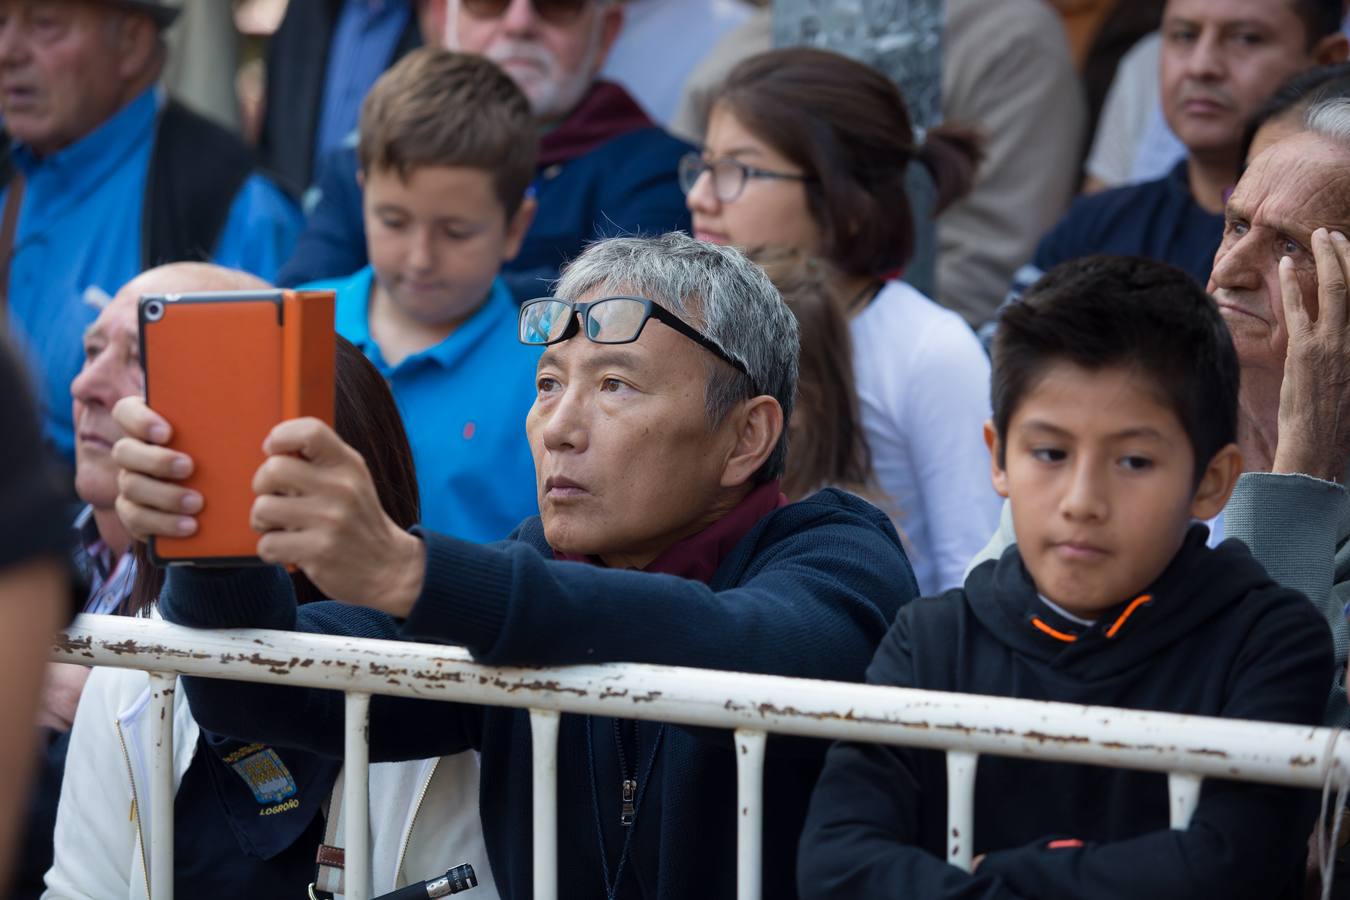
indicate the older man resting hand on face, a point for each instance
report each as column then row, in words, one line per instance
column 658, row 443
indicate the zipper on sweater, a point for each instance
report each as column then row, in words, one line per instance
column 417, row 808
column 135, row 805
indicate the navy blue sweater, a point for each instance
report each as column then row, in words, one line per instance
column 808, row 592
column 1157, row 219
column 627, row 186
column 1218, row 638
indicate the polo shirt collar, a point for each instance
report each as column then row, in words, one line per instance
column 497, row 312
column 96, row 156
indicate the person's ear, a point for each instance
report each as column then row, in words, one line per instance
column 517, row 227
column 136, row 39
column 759, row 425
column 611, row 24
column 1331, row 50
column 1217, row 483
column 997, row 474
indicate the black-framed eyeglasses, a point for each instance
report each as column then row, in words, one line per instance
column 608, row 320
column 555, row 12
column 729, row 175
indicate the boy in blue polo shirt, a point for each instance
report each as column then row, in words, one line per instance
column 1114, row 425
column 447, row 150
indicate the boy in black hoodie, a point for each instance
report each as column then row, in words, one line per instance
column 1115, row 406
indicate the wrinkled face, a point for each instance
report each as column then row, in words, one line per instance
column 437, row 239
column 1220, row 60
column 553, row 62
column 111, row 371
column 625, row 460
column 1288, row 192
column 60, row 71
column 769, row 212
column 1099, row 474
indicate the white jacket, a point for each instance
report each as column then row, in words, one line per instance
column 423, row 813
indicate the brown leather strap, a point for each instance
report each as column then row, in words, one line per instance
column 9, row 225
column 331, row 859
column 331, row 856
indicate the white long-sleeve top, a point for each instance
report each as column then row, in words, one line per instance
column 923, row 387
column 423, row 813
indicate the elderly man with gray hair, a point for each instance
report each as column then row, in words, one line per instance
column 1280, row 280
column 658, row 439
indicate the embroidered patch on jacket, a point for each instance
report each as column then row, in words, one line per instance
column 264, row 773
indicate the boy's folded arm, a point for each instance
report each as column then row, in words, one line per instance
column 862, row 831
column 1232, row 849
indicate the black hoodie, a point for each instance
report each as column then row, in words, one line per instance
column 1215, row 637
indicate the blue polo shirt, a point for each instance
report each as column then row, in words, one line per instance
column 463, row 403
column 79, row 237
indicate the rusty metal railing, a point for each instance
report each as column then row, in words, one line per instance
column 1187, row 748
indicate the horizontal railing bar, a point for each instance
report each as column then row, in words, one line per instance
column 1001, row 726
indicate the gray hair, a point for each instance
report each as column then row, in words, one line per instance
column 717, row 291
column 1330, row 118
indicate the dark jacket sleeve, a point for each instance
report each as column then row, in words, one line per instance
column 1245, row 840
column 333, row 243
column 812, row 604
column 862, row 831
column 306, row 718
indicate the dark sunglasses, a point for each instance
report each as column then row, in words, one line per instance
column 555, row 12
column 609, row 320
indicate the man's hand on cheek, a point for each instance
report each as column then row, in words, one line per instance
column 1314, row 429
column 317, row 509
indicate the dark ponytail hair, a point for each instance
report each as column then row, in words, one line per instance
column 847, row 126
column 365, row 417
column 827, row 445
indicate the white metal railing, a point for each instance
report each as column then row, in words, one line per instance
column 1187, row 748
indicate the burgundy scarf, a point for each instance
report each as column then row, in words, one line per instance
column 698, row 556
column 606, row 112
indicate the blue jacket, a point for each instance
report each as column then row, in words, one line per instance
column 79, row 236
column 1157, row 219
column 807, row 592
column 627, row 186
column 463, row 404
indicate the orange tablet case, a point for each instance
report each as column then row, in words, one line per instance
column 224, row 368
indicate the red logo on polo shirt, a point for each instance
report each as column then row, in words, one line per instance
column 469, row 429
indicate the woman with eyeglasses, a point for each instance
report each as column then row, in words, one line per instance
column 807, row 149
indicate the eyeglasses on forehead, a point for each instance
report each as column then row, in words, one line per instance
column 607, row 320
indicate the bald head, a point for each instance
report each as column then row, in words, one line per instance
column 182, row 277
column 112, row 366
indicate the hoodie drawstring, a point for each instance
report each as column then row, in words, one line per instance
column 1041, row 625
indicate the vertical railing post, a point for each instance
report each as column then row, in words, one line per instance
column 750, row 804
column 356, row 797
column 961, row 807
column 544, row 741
column 162, row 687
column 1183, row 793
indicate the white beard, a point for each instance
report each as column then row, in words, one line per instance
column 552, row 92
